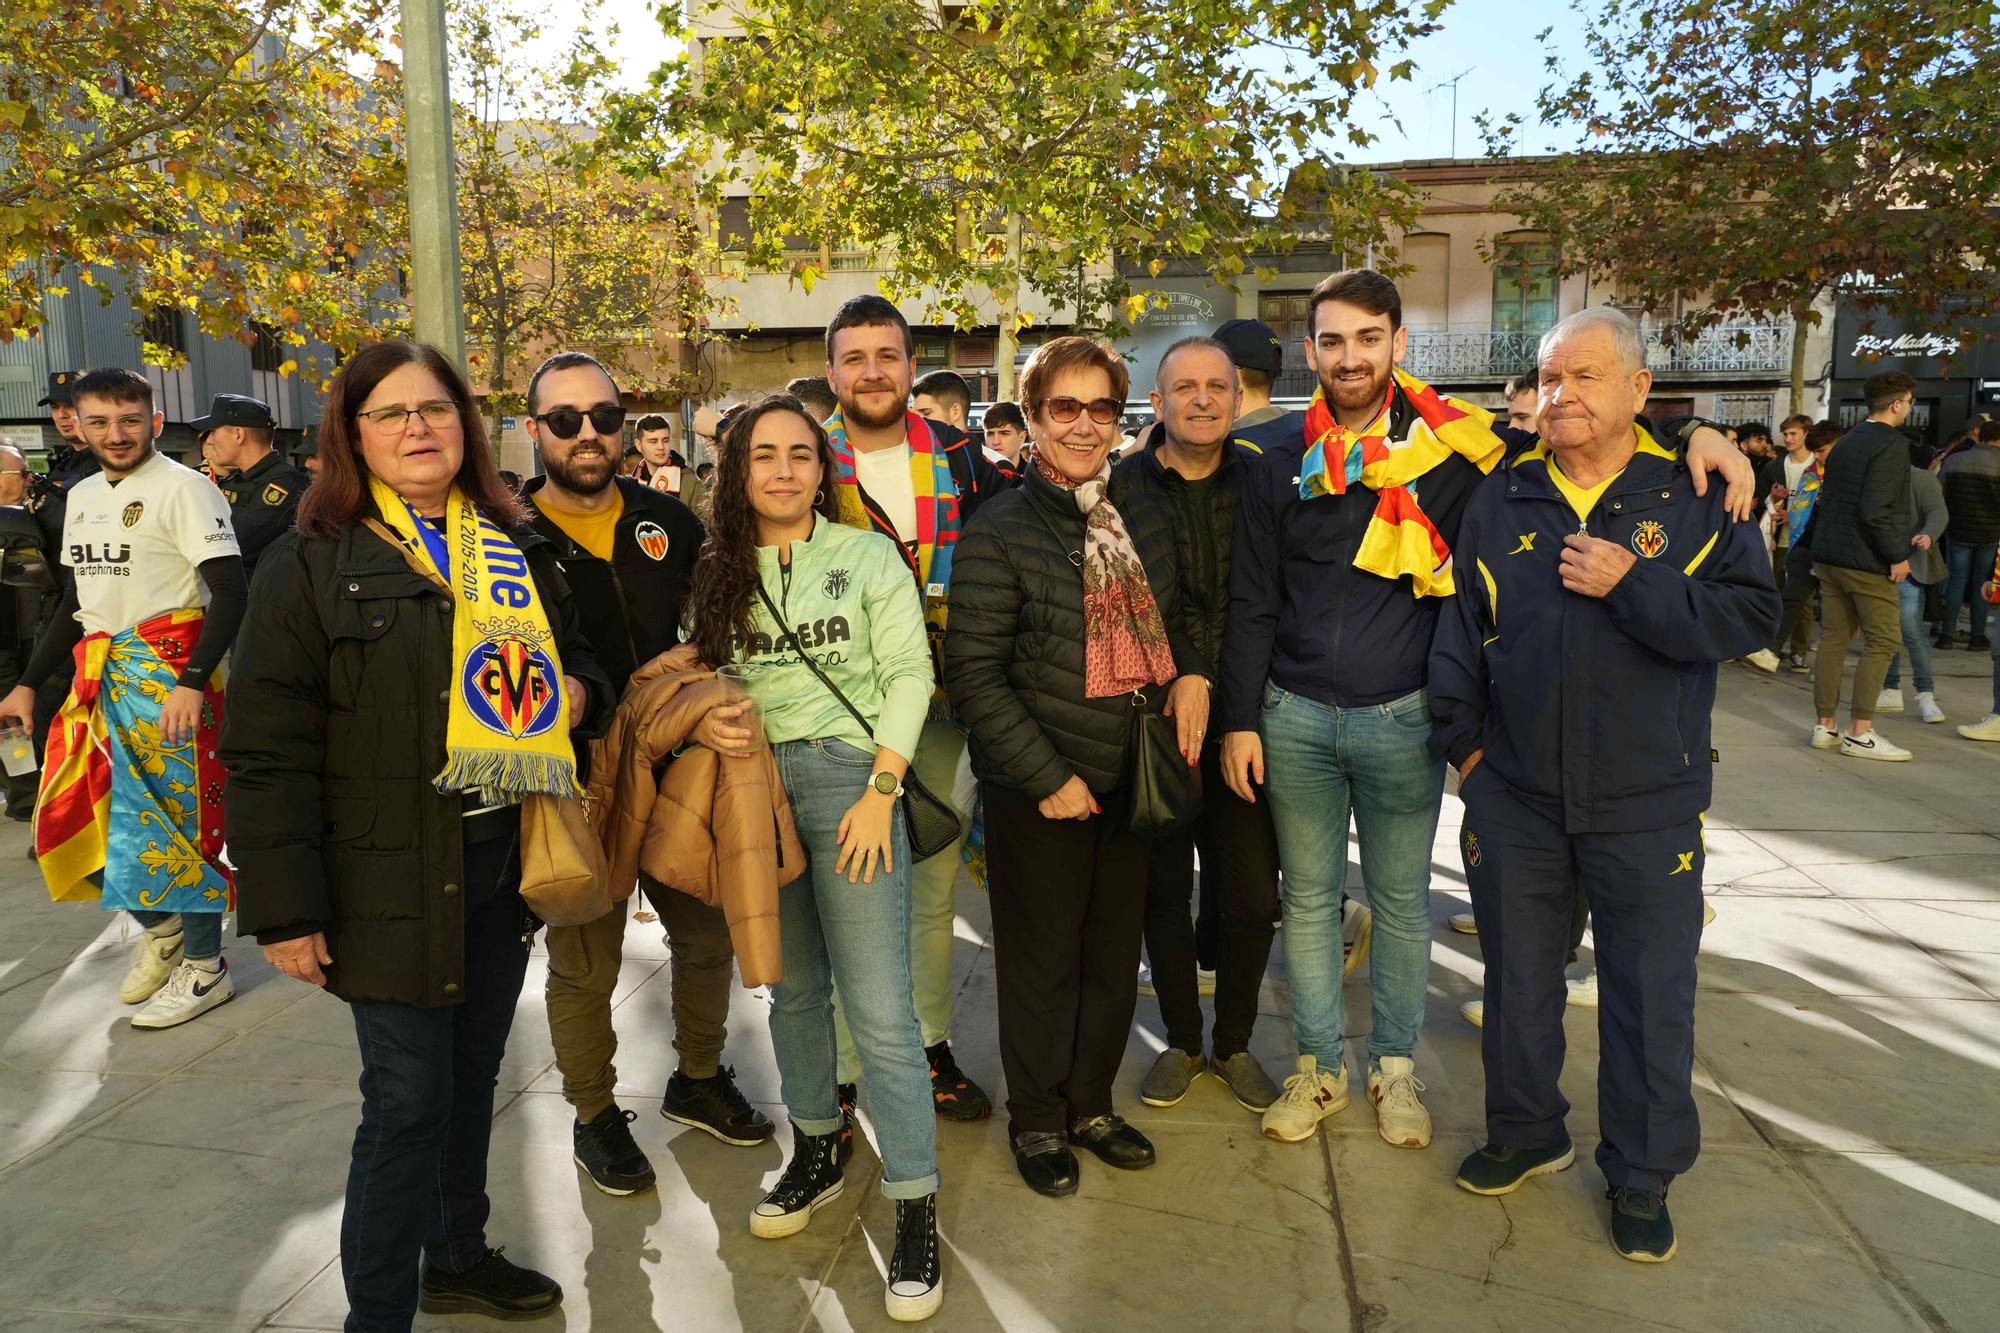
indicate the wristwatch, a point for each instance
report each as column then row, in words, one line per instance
column 887, row 783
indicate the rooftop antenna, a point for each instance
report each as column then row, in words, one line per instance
column 1452, row 83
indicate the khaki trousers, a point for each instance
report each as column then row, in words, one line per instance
column 583, row 971
column 1851, row 599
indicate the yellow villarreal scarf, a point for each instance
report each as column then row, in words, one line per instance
column 505, row 736
column 1401, row 539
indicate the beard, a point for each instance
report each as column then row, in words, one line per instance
column 854, row 414
column 582, row 476
column 1355, row 395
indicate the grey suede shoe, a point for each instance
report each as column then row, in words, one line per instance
column 1170, row 1077
column 1248, row 1083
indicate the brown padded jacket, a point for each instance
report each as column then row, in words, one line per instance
column 718, row 830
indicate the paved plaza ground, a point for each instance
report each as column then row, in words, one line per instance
column 1848, row 1072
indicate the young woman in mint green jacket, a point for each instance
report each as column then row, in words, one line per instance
column 845, row 598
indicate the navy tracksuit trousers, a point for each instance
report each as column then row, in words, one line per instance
column 1644, row 891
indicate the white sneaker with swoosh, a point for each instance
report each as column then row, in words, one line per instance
column 190, row 992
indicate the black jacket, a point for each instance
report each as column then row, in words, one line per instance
column 332, row 734
column 1205, row 527
column 1862, row 518
column 263, row 503
column 1971, row 480
column 1013, row 656
column 1595, row 711
column 629, row 607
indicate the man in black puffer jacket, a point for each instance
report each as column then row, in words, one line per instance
column 1196, row 468
column 1861, row 552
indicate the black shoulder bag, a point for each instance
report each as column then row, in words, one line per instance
column 1165, row 791
column 931, row 824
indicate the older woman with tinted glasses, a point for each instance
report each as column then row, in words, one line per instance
column 409, row 672
column 1065, row 621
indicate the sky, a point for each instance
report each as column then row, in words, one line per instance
column 1492, row 42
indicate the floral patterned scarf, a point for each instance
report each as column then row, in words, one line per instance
column 1125, row 640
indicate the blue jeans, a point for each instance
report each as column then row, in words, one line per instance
column 1320, row 762
column 417, row 1181
column 1915, row 640
column 858, row 934
column 201, row 932
column 1966, row 567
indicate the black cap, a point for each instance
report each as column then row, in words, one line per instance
column 1252, row 345
column 233, row 409
column 62, row 387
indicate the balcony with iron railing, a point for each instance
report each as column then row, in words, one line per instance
column 1733, row 350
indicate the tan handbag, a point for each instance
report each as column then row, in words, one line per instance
column 565, row 879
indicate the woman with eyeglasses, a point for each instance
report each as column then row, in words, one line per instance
column 826, row 621
column 1065, row 623
column 409, row 672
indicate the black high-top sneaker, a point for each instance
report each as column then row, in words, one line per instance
column 916, row 1267
column 811, row 1179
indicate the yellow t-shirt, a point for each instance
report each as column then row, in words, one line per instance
column 1582, row 499
column 592, row 529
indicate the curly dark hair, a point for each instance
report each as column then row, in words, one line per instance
column 723, row 588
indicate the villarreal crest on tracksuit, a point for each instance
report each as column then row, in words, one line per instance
column 1593, row 718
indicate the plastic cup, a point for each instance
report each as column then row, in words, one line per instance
column 17, row 752
column 743, row 681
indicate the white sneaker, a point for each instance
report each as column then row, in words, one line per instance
column 1764, row 660
column 1825, row 738
column 1310, row 1096
column 1473, row 1012
column 1986, row 729
column 1399, row 1114
column 1583, row 990
column 1927, row 708
column 1357, row 928
column 1889, row 701
column 1465, row 923
column 190, row 992
column 154, row 958
column 1872, row 746
column 1204, row 981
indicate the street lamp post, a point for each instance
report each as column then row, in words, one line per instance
column 437, row 306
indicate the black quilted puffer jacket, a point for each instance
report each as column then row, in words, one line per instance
column 1013, row 657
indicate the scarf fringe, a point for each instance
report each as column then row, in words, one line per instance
column 504, row 777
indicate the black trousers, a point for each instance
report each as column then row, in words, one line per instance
column 1239, row 872
column 1645, row 899
column 1068, row 899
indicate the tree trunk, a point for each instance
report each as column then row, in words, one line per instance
column 1799, row 329
column 1009, row 343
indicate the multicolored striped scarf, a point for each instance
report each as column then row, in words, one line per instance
column 937, row 520
column 1401, row 539
column 1124, row 636
column 1802, row 501
column 121, row 811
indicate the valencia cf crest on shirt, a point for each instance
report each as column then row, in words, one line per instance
column 133, row 512
column 652, row 539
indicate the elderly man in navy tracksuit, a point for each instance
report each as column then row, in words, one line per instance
column 1571, row 682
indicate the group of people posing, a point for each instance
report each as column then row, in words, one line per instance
column 1318, row 613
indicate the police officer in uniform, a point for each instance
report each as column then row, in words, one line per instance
column 263, row 489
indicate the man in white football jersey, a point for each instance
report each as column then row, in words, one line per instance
column 131, row 798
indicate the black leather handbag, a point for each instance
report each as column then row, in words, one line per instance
column 1166, row 790
column 930, row 823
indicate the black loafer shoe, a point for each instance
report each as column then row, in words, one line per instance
column 1499, row 1170
column 1641, row 1230
column 1114, row 1141
column 1046, row 1163
column 492, row 1287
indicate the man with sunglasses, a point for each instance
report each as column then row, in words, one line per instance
column 627, row 551
column 917, row 481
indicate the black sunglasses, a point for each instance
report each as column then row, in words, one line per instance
column 565, row 422
column 1103, row 411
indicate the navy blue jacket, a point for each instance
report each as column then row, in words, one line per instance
column 1595, row 711
column 1300, row 615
